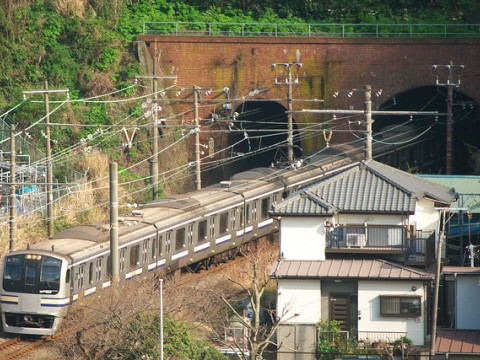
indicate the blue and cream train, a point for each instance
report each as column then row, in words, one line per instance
column 40, row 283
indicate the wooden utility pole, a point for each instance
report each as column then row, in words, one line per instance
column 13, row 203
column 114, row 255
column 49, row 169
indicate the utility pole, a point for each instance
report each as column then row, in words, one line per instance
column 13, row 203
column 367, row 112
column 196, row 93
column 450, row 84
column 438, row 267
column 289, row 81
column 155, row 108
column 48, row 150
column 115, row 270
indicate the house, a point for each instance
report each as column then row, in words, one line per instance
column 357, row 247
column 459, row 338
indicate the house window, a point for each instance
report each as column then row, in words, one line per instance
column 406, row 306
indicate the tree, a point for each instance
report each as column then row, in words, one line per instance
column 252, row 306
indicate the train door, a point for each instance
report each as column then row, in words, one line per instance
column 99, row 270
column 79, row 279
column 121, row 261
column 145, row 253
column 190, row 234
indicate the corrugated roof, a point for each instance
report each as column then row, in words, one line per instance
column 467, row 187
column 458, row 341
column 461, row 270
column 347, row 269
column 367, row 186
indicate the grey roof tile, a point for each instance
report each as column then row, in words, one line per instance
column 367, row 186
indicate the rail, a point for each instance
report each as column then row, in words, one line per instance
column 313, row 30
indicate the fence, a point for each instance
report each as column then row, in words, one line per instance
column 313, row 30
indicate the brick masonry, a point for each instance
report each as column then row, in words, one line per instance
column 244, row 64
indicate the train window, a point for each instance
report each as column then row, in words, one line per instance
column 50, row 274
column 30, row 274
column 241, row 216
column 134, row 256
column 153, row 253
column 254, row 211
column 90, row 273
column 202, row 230
column 223, row 223
column 160, row 245
column 180, row 239
column 67, row 276
column 247, row 214
column 265, row 208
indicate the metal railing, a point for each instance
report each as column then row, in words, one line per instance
column 313, row 30
column 378, row 237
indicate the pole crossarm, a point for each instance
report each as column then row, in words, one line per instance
column 373, row 112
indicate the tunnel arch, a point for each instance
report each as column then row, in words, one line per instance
column 258, row 134
column 466, row 124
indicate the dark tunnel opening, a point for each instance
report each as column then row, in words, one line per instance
column 433, row 130
column 258, row 136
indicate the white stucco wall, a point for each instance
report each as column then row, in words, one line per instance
column 302, row 238
column 425, row 217
column 467, row 294
column 369, row 309
column 299, row 301
column 370, row 219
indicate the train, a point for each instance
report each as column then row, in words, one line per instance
column 198, row 228
column 40, row 283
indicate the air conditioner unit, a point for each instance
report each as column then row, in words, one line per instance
column 356, row 240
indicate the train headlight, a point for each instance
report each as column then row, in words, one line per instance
column 33, row 257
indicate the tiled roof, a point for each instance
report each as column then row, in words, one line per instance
column 367, row 186
column 458, row 341
column 347, row 269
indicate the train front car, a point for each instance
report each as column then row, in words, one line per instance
column 34, row 292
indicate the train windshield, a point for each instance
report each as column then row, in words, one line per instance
column 34, row 274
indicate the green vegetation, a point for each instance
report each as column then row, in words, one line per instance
column 142, row 342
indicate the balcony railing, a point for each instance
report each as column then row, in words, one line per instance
column 416, row 246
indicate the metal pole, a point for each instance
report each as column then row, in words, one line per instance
column 13, row 203
column 449, row 154
column 49, row 163
column 368, row 120
column 154, row 161
column 115, row 270
column 290, row 116
column 198, row 181
column 161, row 319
